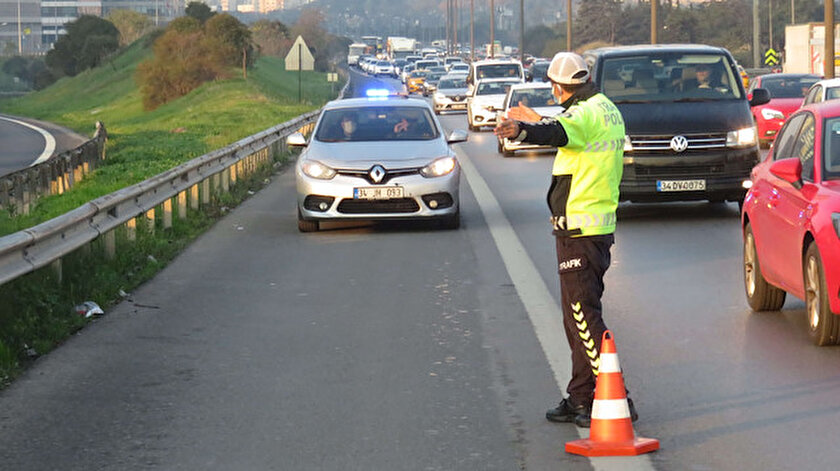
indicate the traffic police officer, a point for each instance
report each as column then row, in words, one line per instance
column 583, row 198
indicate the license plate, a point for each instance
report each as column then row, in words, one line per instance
column 680, row 185
column 378, row 193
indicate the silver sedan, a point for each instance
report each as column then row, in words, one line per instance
column 377, row 158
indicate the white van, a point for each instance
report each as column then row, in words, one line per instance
column 495, row 68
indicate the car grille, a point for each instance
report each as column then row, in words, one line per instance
column 389, row 174
column 662, row 144
column 457, row 97
column 396, row 205
column 678, row 170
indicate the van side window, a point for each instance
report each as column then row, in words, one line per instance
column 783, row 148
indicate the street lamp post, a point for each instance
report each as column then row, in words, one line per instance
column 20, row 37
column 492, row 30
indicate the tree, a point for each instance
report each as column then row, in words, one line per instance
column 230, row 39
column 271, row 37
column 88, row 41
column 198, row 10
column 597, row 20
column 131, row 25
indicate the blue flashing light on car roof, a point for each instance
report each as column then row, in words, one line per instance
column 377, row 92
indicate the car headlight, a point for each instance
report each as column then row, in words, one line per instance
column 770, row 113
column 628, row 144
column 316, row 169
column 742, row 138
column 835, row 218
column 440, row 96
column 439, row 167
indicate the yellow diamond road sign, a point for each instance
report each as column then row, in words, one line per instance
column 771, row 57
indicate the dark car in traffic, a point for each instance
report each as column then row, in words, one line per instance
column 690, row 133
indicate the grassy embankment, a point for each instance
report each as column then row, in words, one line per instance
column 36, row 310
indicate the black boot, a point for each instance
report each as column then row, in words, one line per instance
column 567, row 411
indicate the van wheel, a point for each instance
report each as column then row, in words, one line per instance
column 761, row 295
column 823, row 326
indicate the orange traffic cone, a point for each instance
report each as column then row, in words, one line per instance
column 611, row 432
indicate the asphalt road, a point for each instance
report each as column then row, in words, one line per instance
column 400, row 346
column 23, row 141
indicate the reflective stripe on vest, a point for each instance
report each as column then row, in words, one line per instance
column 577, row 221
column 601, row 146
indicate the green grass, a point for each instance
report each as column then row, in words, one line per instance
column 145, row 143
column 36, row 310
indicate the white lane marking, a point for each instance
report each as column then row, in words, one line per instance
column 49, row 146
column 542, row 309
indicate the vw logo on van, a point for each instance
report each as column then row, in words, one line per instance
column 679, row 143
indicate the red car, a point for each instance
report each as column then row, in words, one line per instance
column 786, row 94
column 791, row 221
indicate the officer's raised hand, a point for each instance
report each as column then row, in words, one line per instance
column 506, row 127
column 523, row 113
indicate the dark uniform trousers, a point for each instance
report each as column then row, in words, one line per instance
column 582, row 263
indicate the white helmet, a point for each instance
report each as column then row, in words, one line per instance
column 568, row 68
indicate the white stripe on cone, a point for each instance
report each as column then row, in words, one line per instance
column 609, row 363
column 610, row 409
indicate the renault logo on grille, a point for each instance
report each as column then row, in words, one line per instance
column 679, row 143
column 376, row 173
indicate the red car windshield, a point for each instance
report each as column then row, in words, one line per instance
column 788, row 87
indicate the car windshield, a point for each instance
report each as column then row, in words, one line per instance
column 418, row 74
column 669, row 76
column 453, row 83
column 494, row 88
column 788, row 87
column 831, row 154
column 377, row 123
column 434, row 76
column 533, row 97
column 498, row 70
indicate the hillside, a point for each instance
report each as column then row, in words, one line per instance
column 142, row 144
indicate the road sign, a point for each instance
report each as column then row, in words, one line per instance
column 332, row 77
column 771, row 57
column 299, row 57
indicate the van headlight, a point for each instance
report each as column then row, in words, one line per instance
column 742, row 138
column 439, row 167
column 316, row 169
column 770, row 113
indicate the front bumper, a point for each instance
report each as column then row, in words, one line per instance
column 724, row 172
column 423, row 198
column 481, row 116
column 446, row 104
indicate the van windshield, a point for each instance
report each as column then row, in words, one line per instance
column 498, row 71
column 669, row 76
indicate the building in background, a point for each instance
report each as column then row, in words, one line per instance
column 26, row 38
column 43, row 21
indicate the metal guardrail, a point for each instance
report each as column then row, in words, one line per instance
column 30, row 249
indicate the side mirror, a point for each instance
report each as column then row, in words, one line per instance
column 789, row 170
column 760, row 96
column 458, row 135
column 296, row 140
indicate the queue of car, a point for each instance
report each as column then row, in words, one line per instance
column 694, row 124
